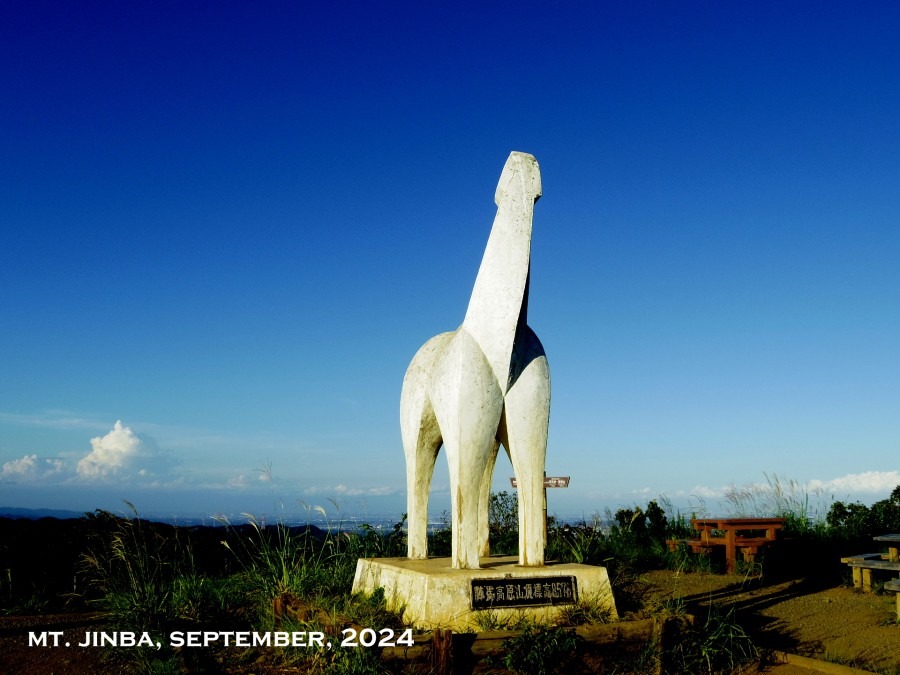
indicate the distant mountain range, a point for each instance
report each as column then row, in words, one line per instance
column 63, row 514
column 348, row 523
column 34, row 514
column 377, row 521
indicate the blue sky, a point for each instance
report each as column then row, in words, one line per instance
column 227, row 228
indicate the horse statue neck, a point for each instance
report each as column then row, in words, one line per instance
column 499, row 302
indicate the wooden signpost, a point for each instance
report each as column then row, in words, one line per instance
column 549, row 482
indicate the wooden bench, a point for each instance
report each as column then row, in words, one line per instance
column 893, row 542
column 696, row 545
column 863, row 556
column 748, row 546
column 751, row 546
column 862, row 566
column 738, row 534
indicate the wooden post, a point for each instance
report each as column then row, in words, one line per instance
column 545, row 508
column 556, row 481
column 730, row 550
column 866, row 580
column 442, row 651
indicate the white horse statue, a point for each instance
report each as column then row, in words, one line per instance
column 485, row 384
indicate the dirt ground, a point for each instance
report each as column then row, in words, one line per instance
column 832, row 624
column 17, row 657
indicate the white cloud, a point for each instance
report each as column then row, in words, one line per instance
column 30, row 468
column 238, row 482
column 25, row 467
column 868, row 481
column 122, row 454
column 872, row 484
column 702, row 492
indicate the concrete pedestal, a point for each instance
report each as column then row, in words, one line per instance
column 434, row 595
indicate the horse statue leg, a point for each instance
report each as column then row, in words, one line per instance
column 467, row 402
column 527, row 418
column 421, row 442
column 484, row 501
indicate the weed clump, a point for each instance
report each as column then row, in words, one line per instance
column 718, row 644
column 542, row 650
column 146, row 576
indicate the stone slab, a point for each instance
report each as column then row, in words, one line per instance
column 434, row 595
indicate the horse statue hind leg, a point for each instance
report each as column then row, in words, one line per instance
column 485, row 383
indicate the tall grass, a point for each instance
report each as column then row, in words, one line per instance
column 803, row 512
column 305, row 562
column 718, row 644
column 816, row 526
column 143, row 578
column 542, row 650
column 276, row 560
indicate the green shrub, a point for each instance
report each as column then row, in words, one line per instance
column 538, row 651
column 440, row 541
column 131, row 568
column 718, row 645
column 503, row 519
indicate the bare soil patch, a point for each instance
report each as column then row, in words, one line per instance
column 16, row 656
column 829, row 623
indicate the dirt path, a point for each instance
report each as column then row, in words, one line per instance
column 832, row 624
column 16, row 656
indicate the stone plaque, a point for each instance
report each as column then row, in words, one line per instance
column 523, row 592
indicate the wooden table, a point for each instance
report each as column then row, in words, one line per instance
column 732, row 534
column 893, row 542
